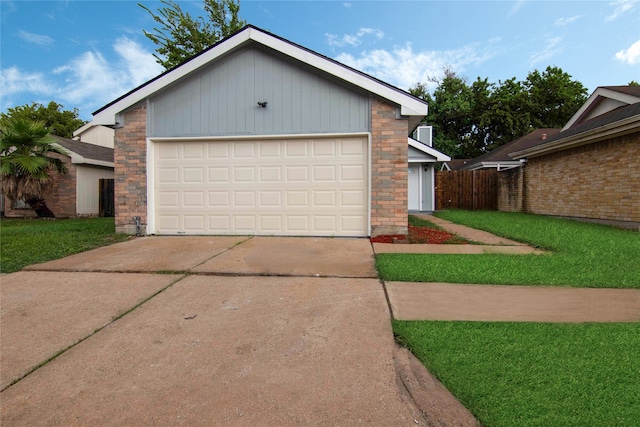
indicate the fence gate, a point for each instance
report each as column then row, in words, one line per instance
column 106, row 198
column 469, row 190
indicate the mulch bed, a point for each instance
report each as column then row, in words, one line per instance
column 420, row 235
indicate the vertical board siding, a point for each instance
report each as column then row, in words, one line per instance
column 470, row 190
column 222, row 100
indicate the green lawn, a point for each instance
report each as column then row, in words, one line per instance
column 29, row 241
column 532, row 374
column 580, row 255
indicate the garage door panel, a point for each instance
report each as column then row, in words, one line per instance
column 218, row 175
column 275, row 187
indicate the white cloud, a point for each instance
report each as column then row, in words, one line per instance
column 93, row 78
column 347, row 5
column 13, row 81
column 551, row 49
column 631, row 55
column 404, row 68
column 353, row 39
column 89, row 80
column 620, row 7
column 39, row 39
column 561, row 22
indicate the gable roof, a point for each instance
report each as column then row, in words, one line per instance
column 500, row 156
column 409, row 104
column 430, row 151
column 620, row 121
column 616, row 95
column 85, row 153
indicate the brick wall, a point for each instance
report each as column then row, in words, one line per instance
column 61, row 198
column 388, row 170
column 597, row 181
column 130, row 179
column 511, row 190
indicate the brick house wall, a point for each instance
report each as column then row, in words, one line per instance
column 130, row 171
column 389, row 189
column 61, row 199
column 511, row 190
column 596, row 181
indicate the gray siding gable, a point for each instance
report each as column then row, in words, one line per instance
column 221, row 100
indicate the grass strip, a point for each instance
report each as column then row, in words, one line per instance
column 30, row 241
column 581, row 255
column 534, row 374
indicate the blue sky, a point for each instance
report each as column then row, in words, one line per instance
column 84, row 54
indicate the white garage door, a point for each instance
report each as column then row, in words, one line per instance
column 310, row 187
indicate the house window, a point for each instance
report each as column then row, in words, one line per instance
column 20, row 204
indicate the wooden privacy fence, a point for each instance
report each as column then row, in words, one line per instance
column 470, row 190
column 106, row 198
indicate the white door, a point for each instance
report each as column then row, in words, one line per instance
column 413, row 176
column 306, row 187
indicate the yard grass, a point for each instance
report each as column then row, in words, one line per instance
column 30, row 241
column 534, row 374
column 580, row 255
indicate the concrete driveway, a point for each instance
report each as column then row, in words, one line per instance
column 205, row 331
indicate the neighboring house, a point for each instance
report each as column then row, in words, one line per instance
column 97, row 135
column 499, row 159
column 454, row 164
column 423, row 159
column 76, row 192
column 590, row 170
column 258, row 135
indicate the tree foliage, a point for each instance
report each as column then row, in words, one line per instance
column 179, row 36
column 26, row 167
column 55, row 118
column 471, row 119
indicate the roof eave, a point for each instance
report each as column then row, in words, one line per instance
column 440, row 157
column 600, row 92
column 622, row 127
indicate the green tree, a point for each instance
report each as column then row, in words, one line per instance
column 633, row 83
column 449, row 111
column 56, row 119
column 553, row 97
column 180, row 36
column 469, row 120
column 26, row 167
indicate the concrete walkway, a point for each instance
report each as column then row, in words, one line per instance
column 468, row 302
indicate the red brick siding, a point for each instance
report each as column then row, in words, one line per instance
column 597, row 181
column 61, row 199
column 388, row 170
column 130, row 171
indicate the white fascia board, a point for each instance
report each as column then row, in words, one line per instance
column 440, row 157
column 83, row 128
column 409, row 106
column 622, row 127
column 604, row 93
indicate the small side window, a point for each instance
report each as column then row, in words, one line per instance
column 20, row 204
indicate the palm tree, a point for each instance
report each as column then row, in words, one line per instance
column 26, row 169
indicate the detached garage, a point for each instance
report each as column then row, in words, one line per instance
column 257, row 135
